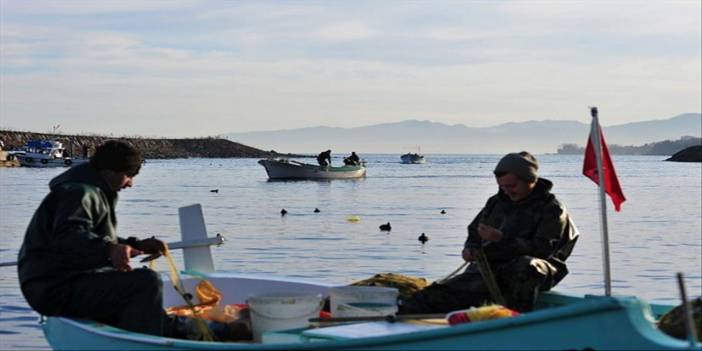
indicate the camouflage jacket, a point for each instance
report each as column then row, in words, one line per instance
column 538, row 226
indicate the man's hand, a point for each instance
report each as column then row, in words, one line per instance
column 468, row 255
column 120, row 254
column 489, row 233
column 151, row 246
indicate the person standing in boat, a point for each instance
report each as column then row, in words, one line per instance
column 324, row 158
column 73, row 264
column 352, row 160
column 525, row 234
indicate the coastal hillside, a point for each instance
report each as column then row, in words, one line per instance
column 151, row 148
column 666, row 147
column 535, row 136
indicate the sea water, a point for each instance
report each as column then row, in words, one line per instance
column 657, row 233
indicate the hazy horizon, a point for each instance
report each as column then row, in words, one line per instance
column 201, row 68
column 438, row 138
column 63, row 132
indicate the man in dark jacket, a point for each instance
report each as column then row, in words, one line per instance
column 324, row 158
column 72, row 263
column 352, row 160
column 525, row 234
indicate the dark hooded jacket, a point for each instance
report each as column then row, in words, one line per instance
column 538, row 226
column 70, row 230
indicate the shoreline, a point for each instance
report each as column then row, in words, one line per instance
column 151, row 148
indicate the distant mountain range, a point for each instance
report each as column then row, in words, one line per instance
column 401, row 137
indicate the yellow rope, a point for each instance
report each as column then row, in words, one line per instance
column 441, row 281
column 488, row 276
column 178, row 285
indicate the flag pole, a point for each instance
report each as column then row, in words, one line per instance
column 597, row 144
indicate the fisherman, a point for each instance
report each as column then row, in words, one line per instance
column 324, row 158
column 352, row 160
column 525, row 234
column 73, row 264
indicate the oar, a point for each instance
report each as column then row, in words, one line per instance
column 687, row 312
column 215, row 240
column 389, row 318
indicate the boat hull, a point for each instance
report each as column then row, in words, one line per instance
column 564, row 322
column 295, row 170
column 35, row 162
column 412, row 159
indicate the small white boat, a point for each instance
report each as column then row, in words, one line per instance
column 412, row 158
column 559, row 322
column 46, row 153
column 287, row 169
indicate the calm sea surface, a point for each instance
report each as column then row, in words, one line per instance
column 657, row 233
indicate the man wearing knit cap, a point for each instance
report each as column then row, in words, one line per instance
column 73, row 264
column 525, row 234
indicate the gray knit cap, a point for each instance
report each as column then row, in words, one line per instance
column 523, row 165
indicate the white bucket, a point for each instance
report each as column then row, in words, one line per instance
column 365, row 309
column 274, row 312
column 345, row 295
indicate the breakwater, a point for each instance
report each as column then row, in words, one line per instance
column 151, row 148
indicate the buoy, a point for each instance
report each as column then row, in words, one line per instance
column 283, row 212
column 316, row 210
column 385, row 227
column 353, row 219
column 423, row 238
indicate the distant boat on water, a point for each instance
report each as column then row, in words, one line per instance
column 413, row 158
column 45, row 153
column 288, row 169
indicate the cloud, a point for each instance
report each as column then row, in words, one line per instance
column 345, row 32
column 237, row 95
column 236, row 66
column 632, row 18
column 81, row 7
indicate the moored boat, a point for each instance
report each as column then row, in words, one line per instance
column 412, row 158
column 46, row 153
column 558, row 322
column 289, row 169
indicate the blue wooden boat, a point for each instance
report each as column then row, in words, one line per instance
column 559, row 321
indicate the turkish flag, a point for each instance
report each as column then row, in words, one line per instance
column 611, row 183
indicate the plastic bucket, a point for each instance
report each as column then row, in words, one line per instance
column 274, row 312
column 345, row 295
column 365, row 309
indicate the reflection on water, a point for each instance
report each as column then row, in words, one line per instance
column 656, row 234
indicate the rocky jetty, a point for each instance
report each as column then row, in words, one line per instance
column 690, row 154
column 151, row 148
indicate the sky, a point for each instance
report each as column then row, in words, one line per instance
column 205, row 68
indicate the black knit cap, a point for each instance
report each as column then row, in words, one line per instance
column 522, row 164
column 117, row 156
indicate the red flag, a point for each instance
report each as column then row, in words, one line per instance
column 611, row 183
